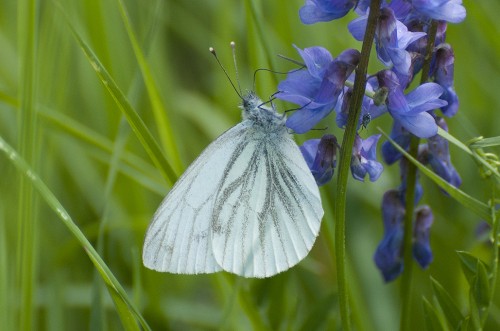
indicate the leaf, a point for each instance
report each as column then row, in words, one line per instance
column 465, row 326
column 469, row 265
column 477, row 274
column 475, row 320
column 320, row 313
column 481, row 286
column 432, row 317
column 450, row 309
column 131, row 165
column 161, row 119
column 486, row 142
column 466, row 149
column 454, row 141
column 466, row 200
column 128, row 313
column 133, row 118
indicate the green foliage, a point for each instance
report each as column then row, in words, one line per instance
column 448, row 306
column 104, row 103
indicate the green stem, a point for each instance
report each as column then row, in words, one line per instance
column 345, row 161
column 406, row 282
column 26, row 248
column 494, row 263
column 411, row 183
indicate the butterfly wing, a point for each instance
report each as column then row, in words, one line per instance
column 178, row 238
column 267, row 212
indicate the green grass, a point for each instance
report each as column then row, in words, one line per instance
column 104, row 103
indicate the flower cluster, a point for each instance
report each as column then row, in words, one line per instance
column 324, row 85
column 389, row 255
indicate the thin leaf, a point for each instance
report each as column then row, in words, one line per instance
column 450, row 309
column 454, row 141
column 320, row 313
column 432, row 317
column 486, row 142
column 475, row 319
column 7, row 311
column 481, row 287
column 128, row 316
column 466, row 149
column 469, row 265
column 466, row 200
column 133, row 118
column 466, row 324
column 91, row 137
column 161, row 119
column 26, row 219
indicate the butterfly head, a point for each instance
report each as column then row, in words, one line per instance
column 260, row 114
column 250, row 102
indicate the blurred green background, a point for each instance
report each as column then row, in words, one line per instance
column 79, row 142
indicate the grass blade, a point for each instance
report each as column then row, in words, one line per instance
column 449, row 307
column 433, row 318
column 133, row 118
column 26, row 12
column 477, row 144
column 486, row 142
column 471, row 203
column 161, row 119
column 127, row 311
column 128, row 160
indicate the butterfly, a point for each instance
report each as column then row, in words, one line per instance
column 248, row 204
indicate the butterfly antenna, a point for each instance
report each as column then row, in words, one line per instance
column 233, row 46
column 300, row 64
column 212, row 50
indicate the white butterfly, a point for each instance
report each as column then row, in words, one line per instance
column 248, row 205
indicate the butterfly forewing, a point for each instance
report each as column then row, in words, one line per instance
column 268, row 210
column 178, row 238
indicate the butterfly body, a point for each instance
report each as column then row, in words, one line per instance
column 248, row 204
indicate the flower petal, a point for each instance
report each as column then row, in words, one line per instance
column 357, row 27
column 299, row 87
column 316, row 59
column 305, row 119
column 422, row 125
column 424, row 93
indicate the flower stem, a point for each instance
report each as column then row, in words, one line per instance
column 345, row 160
column 411, row 182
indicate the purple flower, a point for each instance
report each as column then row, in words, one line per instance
column 391, row 39
column 411, row 110
column 419, row 47
column 321, row 157
column 443, row 74
column 364, row 158
column 388, row 256
column 441, row 10
column 324, row 10
column 403, row 170
column 422, row 252
column 316, row 89
column 402, row 137
column 343, row 110
column 368, row 107
column 438, row 157
column 441, row 33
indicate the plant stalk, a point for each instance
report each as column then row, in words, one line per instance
column 411, row 183
column 345, row 161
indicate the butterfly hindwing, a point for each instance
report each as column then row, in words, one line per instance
column 267, row 212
